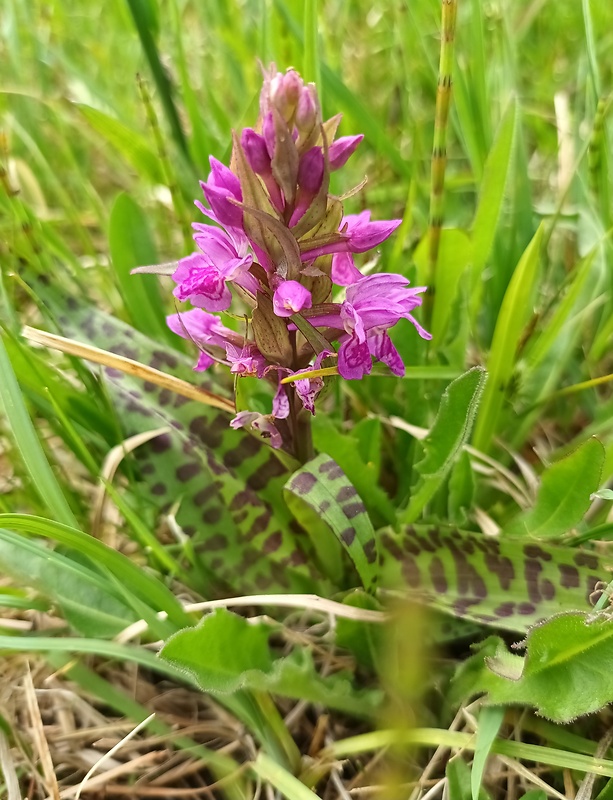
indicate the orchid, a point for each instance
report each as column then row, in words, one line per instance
column 276, row 243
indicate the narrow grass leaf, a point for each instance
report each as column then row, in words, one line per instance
column 145, row 586
column 142, row 12
column 491, row 193
column 490, row 722
column 435, row 737
column 548, row 334
column 131, row 144
column 507, row 334
column 454, row 255
column 87, row 600
column 28, row 444
column 282, row 780
column 131, row 244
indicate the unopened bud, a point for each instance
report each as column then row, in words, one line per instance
column 256, row 151
column 342, row 149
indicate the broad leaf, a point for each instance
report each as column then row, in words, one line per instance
column 323, row 486
column 502, row 581
column 564, row 495
column 565, row 673
column 225, row 653
column 226, row 483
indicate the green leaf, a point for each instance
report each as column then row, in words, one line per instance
column 142, row 584
column 510, row 583
column 131, row 245
column 283, row 780
column 13, row 407
column 455, row 254
column 221, row 651
column 461, row 490
column 126, row 141
column 144, row 17
column 490, row 721
column 565, row 673
column 323, row 486
column 344, row 448
column 495, row 174
column 513, row 316
column 448, row 435
column 226, row 652
column 85, row 598
column 564, row 495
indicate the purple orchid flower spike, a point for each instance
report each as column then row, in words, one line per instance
column 278, row 243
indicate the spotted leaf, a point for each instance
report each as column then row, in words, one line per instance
column 500, row 581
column 324, row 488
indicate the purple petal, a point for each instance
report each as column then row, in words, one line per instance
column 268, row 132
column 224, row 212
column 291, row 297
column 354, row 359
column 258, row 422
column 306, row 111
column 344, row 271
column 204, row 362
column 280, row 403
column 342, row 149
column 201, row 284
column 370, row 234
column 199, row 326
column 352, row 322
column 246, row 361
column 382, row 348
column 307, row 390
column 222, row 177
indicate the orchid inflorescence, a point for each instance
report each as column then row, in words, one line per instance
column 280, row 241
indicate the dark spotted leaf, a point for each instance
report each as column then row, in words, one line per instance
column 501, row 581
column 565, row 673
column 226, row 483
column 324, row 488
column 345, row 450
column 564, row 495
column 226, row 652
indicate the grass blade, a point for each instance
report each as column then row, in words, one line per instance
column 28, row 444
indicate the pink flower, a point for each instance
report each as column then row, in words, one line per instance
column 246, row 361
column 261, row 423
column 360, row 235
column 206, row 330
column 290, row 297
column 201, row 277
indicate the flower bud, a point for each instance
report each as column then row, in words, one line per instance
column 256, row 151
column 342, row 149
